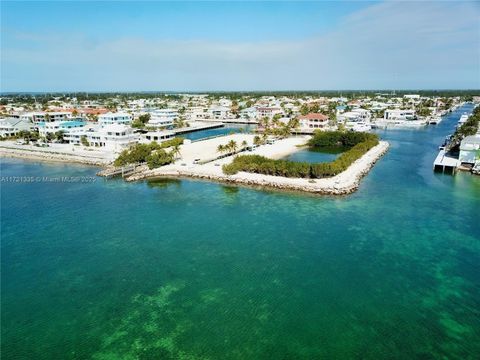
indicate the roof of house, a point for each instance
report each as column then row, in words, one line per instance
column 268, row 109
column 313, row 116
column 471, row 140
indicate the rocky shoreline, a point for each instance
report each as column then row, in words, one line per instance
column 50, row 156
column 345, row 183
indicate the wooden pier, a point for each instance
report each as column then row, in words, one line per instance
column 118, row 171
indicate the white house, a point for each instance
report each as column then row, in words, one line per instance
column 356, row 120
column 197, row 113
column 470, row 149
column 269, row 112
column 158, row 136
column 249, row 113
column 397, row 114
column 115, row 118
column 162, row 118
column 412, row 96
column 113, row 137
column 117, row 137
column 355, row 115
column 225, row 102
column 219, row 112
column 36, row 117
column 12, row 126
column 45, row 128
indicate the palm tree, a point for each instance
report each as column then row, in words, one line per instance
column 176, row 151
column 294, row 123
column 257, row 140
column 232, row 146
column 244, row 144
column 264, row 123
column 221, row 148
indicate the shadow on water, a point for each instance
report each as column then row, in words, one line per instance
column 163, row 183
column 230, row 190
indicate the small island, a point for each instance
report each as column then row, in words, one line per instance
column 260, row 161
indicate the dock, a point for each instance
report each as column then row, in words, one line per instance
column 118, row 171
column 445, row 163
column 198, row 127
column 232, row 121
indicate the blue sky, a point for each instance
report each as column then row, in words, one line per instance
column 181, row 46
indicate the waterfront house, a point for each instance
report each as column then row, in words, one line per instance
column 398, row 114
column 162, row 118
column 117, row 118
column 117, row 137
column 470, row 149
column 355, row 115
column 249, row 113
column 113, row 137
column 45, row 128
column 12, row 126
column 219, row 112
column 313, row 121
column 158, row 136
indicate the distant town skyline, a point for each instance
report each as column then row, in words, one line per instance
column 235, row 46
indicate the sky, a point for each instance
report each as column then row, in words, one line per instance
column 230, row 46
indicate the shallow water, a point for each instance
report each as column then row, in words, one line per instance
column 191, row 269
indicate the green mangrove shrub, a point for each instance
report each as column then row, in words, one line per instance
column 141, row 153
column 357, row 143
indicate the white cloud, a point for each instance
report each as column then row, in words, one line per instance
column 389, row 45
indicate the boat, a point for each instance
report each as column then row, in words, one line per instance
column 462, row 119
column 361, row 126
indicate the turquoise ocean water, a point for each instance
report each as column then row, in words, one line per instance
column 196, row 270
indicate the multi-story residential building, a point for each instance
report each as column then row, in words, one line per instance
column 249, row 113
column 269, row 112
column 219, row 112
column 158, row 136
column 37, row 117
column 398, row 114
column 312, row 121
column 110, row 118
column 355, row 115
column 162, row 118
column 112, row 137
column 12, row 126
column 45, row 128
